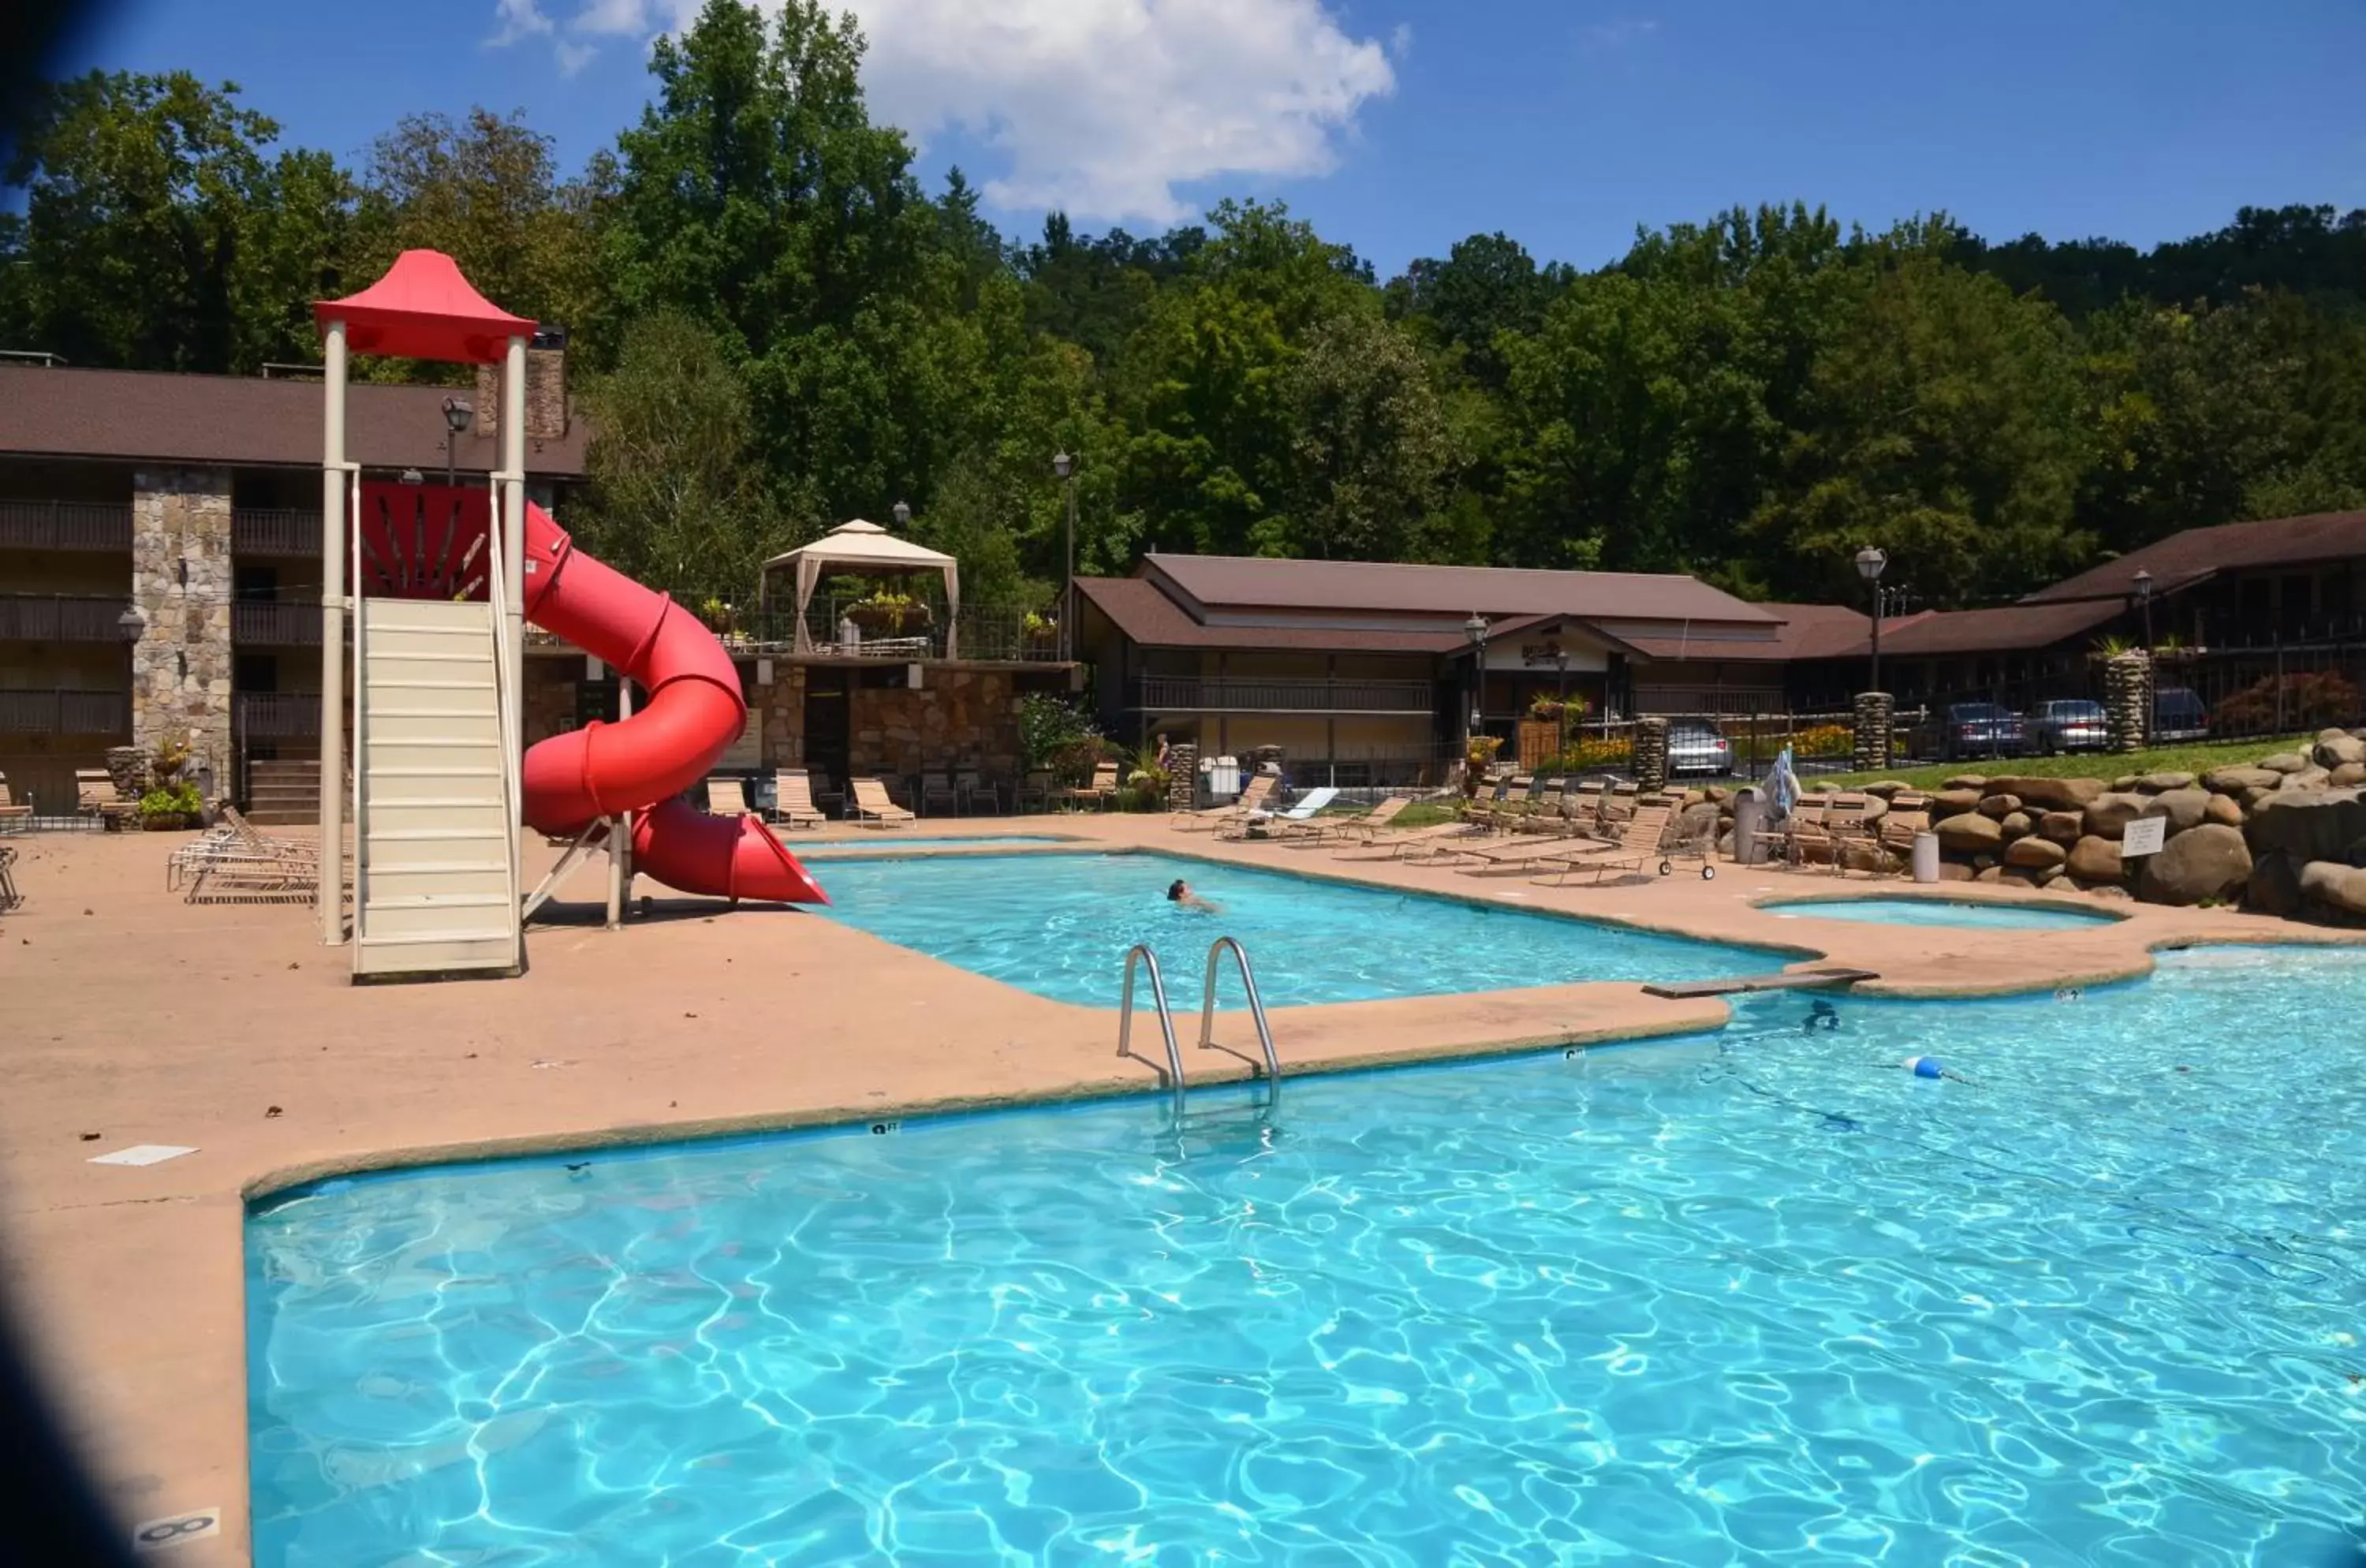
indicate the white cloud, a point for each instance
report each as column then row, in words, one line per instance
column 517, row 19
column 1099, row 107
column 573, row 55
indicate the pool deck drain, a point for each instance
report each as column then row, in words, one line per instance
column 1740, row 985
column 139, row 1019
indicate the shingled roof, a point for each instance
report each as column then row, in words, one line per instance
column 2182, row 559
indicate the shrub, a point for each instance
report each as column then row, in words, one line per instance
column 1823, row 741
column 172, row 800
column 2311, row 700
column 1589, row 756
column 1057, row 735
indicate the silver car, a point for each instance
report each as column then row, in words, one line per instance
column 1696, row 747
column 2068, row 723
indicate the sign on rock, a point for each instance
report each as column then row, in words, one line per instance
column 2145, row 836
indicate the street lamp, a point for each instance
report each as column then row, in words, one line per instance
column 1064, row 467
column 458, row 414
column 2143, row 582
column 1476, row 629
column 903, row 515
column 1870, row 563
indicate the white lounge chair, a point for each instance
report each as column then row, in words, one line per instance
column 1281, row 824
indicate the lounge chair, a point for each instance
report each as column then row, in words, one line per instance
column 872, row 806
column 726, row 796
column 96, row 796
column 1280, row 824
column 1101, row 790
column 1251, row 798
column 1345, row 829
column 1639, row 845
column 12, row 813
column 235, row 861
column 1908, row 813
column 1831, row 833
column 9, row 897
column 793, row 801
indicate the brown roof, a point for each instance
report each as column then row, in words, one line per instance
column 1143, row 613
column 243, row 422
column 2182, row 559
column 1255, row 581
column 2007, row 628
column 1809, row 631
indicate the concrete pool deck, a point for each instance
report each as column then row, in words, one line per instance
column 132, row 1018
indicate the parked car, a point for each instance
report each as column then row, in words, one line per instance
column 2068, row 723
column 1695, row 746
column 2178, row 715
column 1974, row 730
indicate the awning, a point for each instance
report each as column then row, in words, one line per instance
column 861, row 546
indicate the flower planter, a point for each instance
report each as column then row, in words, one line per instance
column 890, row 620
column 164, row 822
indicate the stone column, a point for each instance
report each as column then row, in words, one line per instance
column 1651, row 753
column 181, row 583
column 1871, row 750
column 2127, row 699
column 1182, row 775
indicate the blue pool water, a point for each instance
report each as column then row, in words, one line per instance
column 1060, row 925
column 1962, row 912
column 1756, row 1297
column 888, row 840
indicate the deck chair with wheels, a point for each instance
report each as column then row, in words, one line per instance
column 1252, row 797
column 1639, row 847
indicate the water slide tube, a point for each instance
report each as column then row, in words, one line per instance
column 691, row 716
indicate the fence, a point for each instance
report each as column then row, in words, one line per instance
column 65, row 526
column 859, row 628
column 42, row 617
column 65, row 712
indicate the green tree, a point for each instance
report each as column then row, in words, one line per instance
column 1370, row 447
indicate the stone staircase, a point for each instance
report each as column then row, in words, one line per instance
column 285, row 793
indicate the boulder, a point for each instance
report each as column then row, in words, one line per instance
column 2206, row 862
column 2183, row 808
column 2035, row 853
column 1989, row 874
column 2023, row 874
column 2274, row 888
column 2310, row 777
column 1965, row 781
column 1725, row 843
column 2336, row 746
column 2111, row 813
column 1695, row 823
column 1969, row 833
column 1719, row 793
column 1951, row 802
column 2016, row 825
column 2096, row 859
column 2342, row 887
column 2254, row 797
column 2346, row 776
column 1949, row 870
column 2053, row 794
column 2318, row 824
column 2222, row 809
column 1882, row 789
column 2125, row 782
column 1999, row 805
column 2049, row 875
column 2062, row 827
column 2235, row 780
column 2284, row 762
column 2108, row 890
column 2154, row 783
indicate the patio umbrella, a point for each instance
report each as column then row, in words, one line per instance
column 1783, row 785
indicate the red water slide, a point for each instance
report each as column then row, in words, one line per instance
column 692, row 714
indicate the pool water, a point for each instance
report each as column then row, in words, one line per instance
column 1758, row 1296
column 1060, row 925
column 1964, row 912
column 889, row 839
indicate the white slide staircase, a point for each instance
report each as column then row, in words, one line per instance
column 435, row 886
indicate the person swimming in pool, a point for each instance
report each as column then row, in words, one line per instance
column 1180, row 892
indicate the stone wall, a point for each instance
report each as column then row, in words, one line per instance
column 1651, row 753
column 960, row 718
column 181, row 584
column 546, row 396
column 782, row 703
column 1871, row 742
column 2127, row 699
column 549, row 705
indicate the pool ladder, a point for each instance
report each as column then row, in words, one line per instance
column 1140, row 953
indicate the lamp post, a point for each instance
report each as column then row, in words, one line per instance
column 1476, row 629
column 2143, row 582
column 1064, row 467
column 1870, row 563
column 458, row 414
column 903, row 514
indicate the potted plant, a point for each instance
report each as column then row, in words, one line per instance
column 1480, row 752
column 169, row 807
column 1145, row 781
column 889, row 615
column 1040, row 631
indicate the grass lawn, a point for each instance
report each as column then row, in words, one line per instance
column 2194, row 758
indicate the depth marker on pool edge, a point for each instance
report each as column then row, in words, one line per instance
column 143, row 1154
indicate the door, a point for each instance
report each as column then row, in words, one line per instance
column 827, row 716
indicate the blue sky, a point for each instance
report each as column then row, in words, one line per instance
column 1399, row 127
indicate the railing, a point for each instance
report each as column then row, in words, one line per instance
column 1140, row 953
column 987, row 632
column 1256, row 1006
column 1225, row 694
column 66, row 713
column 274, row 531
column 271, row 622
column 277, row 716
column 38, row 617
column 65, row 524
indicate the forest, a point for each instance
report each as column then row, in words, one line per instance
column 773, row 326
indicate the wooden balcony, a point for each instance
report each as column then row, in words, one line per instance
column 65, row 526
column 64, row 712
column 271, row 623
column 58, row 617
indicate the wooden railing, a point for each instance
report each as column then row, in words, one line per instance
column 64, row 712
column 1228, row 693
column 57, row 617
column 65, row 524
column 277, row 716
column 275, row 624
column 274, row 531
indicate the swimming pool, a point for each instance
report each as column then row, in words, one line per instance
column 1968, row 913
column 1060, row 925
column 1756, row 1296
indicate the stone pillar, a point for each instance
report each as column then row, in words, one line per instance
column 2127, row 699
column 1182, row 775
column 1871, row 752
column 181, row 584
column 1651, row 753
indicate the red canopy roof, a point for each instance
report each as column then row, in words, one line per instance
column 422, row 309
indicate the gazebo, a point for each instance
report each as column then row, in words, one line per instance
column 866, row 548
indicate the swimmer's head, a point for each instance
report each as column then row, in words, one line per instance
column 1178, row 890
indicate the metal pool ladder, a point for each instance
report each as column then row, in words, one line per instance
column 1257, row 1004
column 1140, row 952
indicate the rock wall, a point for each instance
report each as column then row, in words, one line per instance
column 2127, row 699
column 1871, row 741
column 960, row 718
column 181, row 584
column 1651, row 753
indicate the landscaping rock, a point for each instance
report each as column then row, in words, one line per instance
column 2208, row 862
column 2320, row 825
column 2022, row 875
column 2254, row 797
column 2183, row 808
column 1965, row 781
column 2274, row 888
column 2284, row 762
column 1999, row 805
column 2125, row 782
column 2235, row 780
column 2062, row 827
column 2109, row 814
column 1949, row 871
column 2336, row 746
column 2095, row 859
column 1695, row 823
column 2037, row 854
column 2156, row 784
column 2346, row 776
column 1969, row 833
column 2048, row 875
column 2223, row 809
column 1719, row 793
column 2342, row 887
column 2310, row 777
column 2053, row 794
column 2109, row 890
column 1951, row 802
column 1882, row 789
column 2016, row 825
column 1992, row 874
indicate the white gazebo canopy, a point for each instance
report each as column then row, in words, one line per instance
column 863, row 546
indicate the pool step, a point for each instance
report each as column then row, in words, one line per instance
column 1788, row 980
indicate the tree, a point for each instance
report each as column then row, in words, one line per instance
column 1487, row 286
column 1370, row 444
